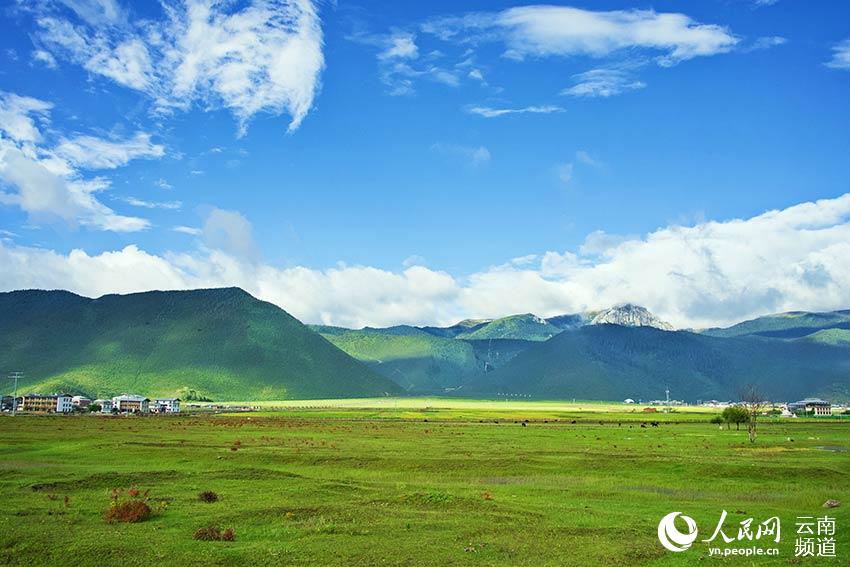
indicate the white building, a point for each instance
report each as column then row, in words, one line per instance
column 64, row 403
column 166, row 405
column 130, row 403
column 81, row 401
column 105, row 405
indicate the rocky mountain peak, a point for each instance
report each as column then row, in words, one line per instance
column 629, row 315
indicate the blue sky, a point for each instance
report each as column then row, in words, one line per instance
column 396, row 162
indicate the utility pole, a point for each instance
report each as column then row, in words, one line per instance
column 15, row 376
column 667, row 391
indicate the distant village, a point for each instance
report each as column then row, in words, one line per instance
column 814, row 407
column 66, row 403
column 126, row 404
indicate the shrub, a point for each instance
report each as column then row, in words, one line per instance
column 134, row 509
column 487, row 495
column 214, row 533
column 208, row 496
column 130, row 511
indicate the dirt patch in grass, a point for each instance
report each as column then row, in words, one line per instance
column 108, row 480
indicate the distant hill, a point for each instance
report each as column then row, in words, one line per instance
column 613, row 362
column 836, row 337
column 418, row 361
column 219, row 343
column 525, row 327
column 465, row 326
column 786, row 325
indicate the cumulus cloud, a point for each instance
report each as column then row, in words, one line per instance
column 265, row 57
column 44, row 182
column 711, row 273
column 542, row 31
column 840, row 56
column 489, row 112
column 602, row 83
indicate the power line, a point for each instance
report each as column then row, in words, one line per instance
column 15, row 375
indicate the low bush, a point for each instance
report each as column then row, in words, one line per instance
column 208, row 496
column 129, row 511
column 214, row 533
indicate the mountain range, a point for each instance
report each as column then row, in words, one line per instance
column 225, row 344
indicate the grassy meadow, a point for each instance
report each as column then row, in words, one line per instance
column 410, row 482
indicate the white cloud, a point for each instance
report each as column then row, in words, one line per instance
column 400, row 45
column 45, row 184
column 766, row 42
column 712, row 273
column 263, row 58
column 18, row 115
column 168, row 205
column 840, row 55
column 542, row 31
column 97, row 12
column 163, row 184
column 188, row 230
column 602, row 83
column 45, row 58
column 488, row 112
column 89, row 152
column 46, row 196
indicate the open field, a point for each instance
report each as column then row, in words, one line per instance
column 409, row 485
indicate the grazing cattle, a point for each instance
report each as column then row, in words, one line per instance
column 643, row 425
column 654, row 424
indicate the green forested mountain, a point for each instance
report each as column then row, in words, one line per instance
column 225, row 344
column 615, row 362
column 786, row 325
column 415, row 359
column 221, row 343
column 525, row 327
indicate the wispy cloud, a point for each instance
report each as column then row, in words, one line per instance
column 47, row 183
column 168, row 205
column 163, row 184
column 602, row 83
column 45, row 58
column 188, row 230
column 89, row 152
column 767, row 42
column 840, row 55
column 488, row 112
column 265, row 57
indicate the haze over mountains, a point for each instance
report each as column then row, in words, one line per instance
column 225, row 344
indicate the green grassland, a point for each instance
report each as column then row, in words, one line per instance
column 409, row 482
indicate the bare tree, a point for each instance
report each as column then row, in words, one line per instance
column 753, row 401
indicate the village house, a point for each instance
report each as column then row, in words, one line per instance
column 105, row 405
column 166, row 405
column 81, row 402
column 815, row 406
column 129, row 403
column 46, row 403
